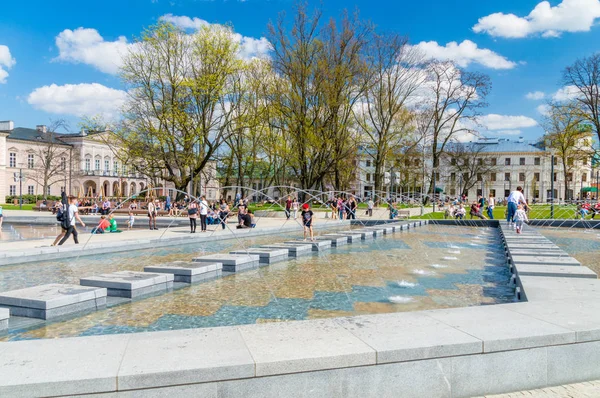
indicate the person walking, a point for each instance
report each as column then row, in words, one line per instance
column 1, row 218
column 370, row 205
column 295, row 207
column 520, row 218
column 203, row 213
column 193, row 216
column 514, row 199
column 223, row 212
column 490, row 207
column 288, row 207
column 151, row 214
column 352, row 205
column 307, row 218
column 69, row 223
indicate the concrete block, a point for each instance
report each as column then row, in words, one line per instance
column 581, row 316
column 573, row 363
column 539, row 252
column 336, row 241
column 318, row 245
column 503, row 330
column 500, row 372
column 53, row 300
column 541, row 288
column 187, row 271
column 267, row 256
column 352, row 237
column 130, row 284
column 564, row 271
column 410, row 336
column 294, row 251
column 170, row 358
column 541, row 260
column 387, row 230
column 364, row 233
column 231, row 262
column 57, row 367
column 523, row 246
column 4, row 315
column 304, row 346
column 377, row 231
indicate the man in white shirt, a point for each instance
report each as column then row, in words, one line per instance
column 514, row 199
column 203, row 212
column 72, row 214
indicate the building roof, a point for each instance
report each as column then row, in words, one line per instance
column 34, row 135
column 496, row 145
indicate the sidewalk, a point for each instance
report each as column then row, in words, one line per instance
column 586, row 389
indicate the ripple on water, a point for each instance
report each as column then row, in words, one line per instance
column 454, row 251
column 438, row 266
column 450, row 258
column 423, row 272
column 408, row 284
column 401, row 299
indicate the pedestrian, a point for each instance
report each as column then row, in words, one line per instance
column 151, row 215
column 193, row 216
column 370, row 205
column 514, row 199
column 307, row 219
column 1, row 218
column 106, row 207
column 295, row 207
column 490, row 207
column 131, row 220
column 288, row 207
column 520, row 217
column 352, row 205
column 69, row 223
column 223, row 212
column 203, row 213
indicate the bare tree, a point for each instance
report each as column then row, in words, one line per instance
column 584, row 77
column 51, row 156
column 452, row 99
column 383, row 116
column 470, row 162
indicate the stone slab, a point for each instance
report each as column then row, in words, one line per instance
column 377, row 231
column 186, row 268
column 293, row 250
column 50, row 296
column 4, row 315
column 542, row 288
column 304, row 346
column 543, row 253
column 352, row 237
column 387, row 230
column 526, row 246
column 127, row 280
column 364, row 233
column 503, row 330
column 403, row 337
column 336, row 241
column 262, row 252
column 555, row 270
column 541, row 260
column 231, row 262
column 57, row 367
column 317, row 245
column 574, row 363
column 183, row 357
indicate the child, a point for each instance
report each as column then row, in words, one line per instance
column 307, row 216
column 131, row 220
column 520, row 217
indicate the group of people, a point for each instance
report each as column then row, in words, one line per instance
column 457, row 210
column 584, row 209
column 343, row 208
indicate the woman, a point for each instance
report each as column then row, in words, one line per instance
column 203, row 213
column 490, row 208
column 223, row 212
column 193, row 216
column 151, row 214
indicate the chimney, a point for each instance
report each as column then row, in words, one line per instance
column 41, row 128
column 7, row 125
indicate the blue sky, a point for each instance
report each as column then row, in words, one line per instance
column 49, row 68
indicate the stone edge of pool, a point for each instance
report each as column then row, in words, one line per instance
column 550, row 340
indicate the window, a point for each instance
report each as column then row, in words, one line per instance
column 480, row 162
column 494, row 161
column 555, row 161
column 452, row 191
column 570, row 161
column 368, row 163
column 536, row 177
column 453, row 177
column 48, row 190
column 116, row 166
column 493, row 193
column 171, row 192
column 585, row 161
column 507, row 161
column 465, row 177
column 479, row 192
column 30, row 190
column 12, row 159
column 555, row 176
column 12, row 190
column 584, row 177
column 466, row 162
column 88, row 164
column 63, row 164
column 97, row 165
column 493, row 177
column 62, row 189
column 368, row 177
column 569, row 177
column 106, row 165
column 506, row 176
column 506, row 193
column 521, row 176
column 479, row 177
column 536, row 161
column 522, row 161
column 536, row 194
column 453, row 161
column 417, row 162
column 123, row 170
column 30, row 161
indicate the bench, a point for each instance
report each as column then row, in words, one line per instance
column 403, row 213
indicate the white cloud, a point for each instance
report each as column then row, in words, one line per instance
column 535, row 95
column 464, row 54
column 78, row 99
column 6, row 62
column 543, row 109
column 548, row 21
column 250, row 47
column 508, row 132
column 504, row 122
column 566, row 94
column 87, row 46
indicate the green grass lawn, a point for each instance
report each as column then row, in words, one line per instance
column 26, row 206
column 536, row 212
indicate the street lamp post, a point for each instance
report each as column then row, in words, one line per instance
column 552, row 186
column 597, row 186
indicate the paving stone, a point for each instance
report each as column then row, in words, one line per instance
column 304, row 346
column 336, row 241
column 352, row 237
column 317, row 245
column 267, row 256
column 527, row 246
column 130, row 284
column 540, row 252
column 364, row 233
column 231, row 262
column 377, row 231
column 188, row 271
column 541, row 260
column 293, row 250
column 555, row 270
column 542, row 288
column 410, row 336
column 52, row 300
